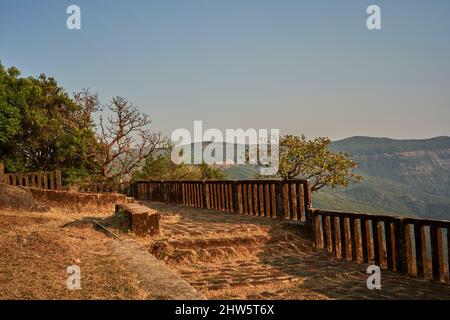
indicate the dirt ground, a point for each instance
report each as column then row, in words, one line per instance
column 37, row 247
column 221, row 255
column 235, row 256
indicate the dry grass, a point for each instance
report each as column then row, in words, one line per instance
column 280, row 291
column 35, row 251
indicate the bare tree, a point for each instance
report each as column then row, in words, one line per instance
column 89, row 103
column 126, row 139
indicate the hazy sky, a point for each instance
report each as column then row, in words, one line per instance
column 307, row 67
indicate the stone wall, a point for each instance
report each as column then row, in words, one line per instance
column 15, row 197
column 77, row 200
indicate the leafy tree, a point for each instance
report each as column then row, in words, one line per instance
column 38, row 125
column 210, row 172
column 9, row 110
column 312, row 159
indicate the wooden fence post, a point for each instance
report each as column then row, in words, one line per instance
column 58, row 179
column 45, row 180
column 400, row 245
column 52, row 180
column 203, row 188
column 235, row 199
column 134, row 190
column 307, row 198
column 27, row 180
column 279, row 200
column 2, row 172
column 39, row 181
column 163, row 191
column 308, row 195
column 33, row 179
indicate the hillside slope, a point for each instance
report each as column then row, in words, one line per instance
column 407, row 177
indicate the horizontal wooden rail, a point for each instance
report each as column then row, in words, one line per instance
column 284, row 199
column 406, row 245
column 42, row 180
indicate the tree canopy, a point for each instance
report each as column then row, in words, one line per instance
column 312, row 159
column 40, row 127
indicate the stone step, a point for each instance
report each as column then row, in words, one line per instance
column 130, row 200
column 142, row 220
column 197, row 243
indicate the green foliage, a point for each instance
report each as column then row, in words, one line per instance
column 161, row 167
column 313, row 159
column 39, row 127
column 76, row 175
column 9, row 101
column 210, row 172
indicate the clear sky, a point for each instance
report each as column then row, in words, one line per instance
column 307, row 67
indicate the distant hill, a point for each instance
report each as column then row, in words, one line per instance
column 373, row 146
column 407, row 177
column 403, row 177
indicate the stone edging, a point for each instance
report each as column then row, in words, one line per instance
column 154, row 276
column 67, row 198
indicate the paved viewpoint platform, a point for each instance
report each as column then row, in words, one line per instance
column 234, row 256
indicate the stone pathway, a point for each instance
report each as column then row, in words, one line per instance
column 234, row 256
column 153, row 275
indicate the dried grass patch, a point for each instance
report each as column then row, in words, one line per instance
column 36, row 251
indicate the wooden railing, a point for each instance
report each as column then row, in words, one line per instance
column 417, row 247
column 44, row 180
column 286, row 199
